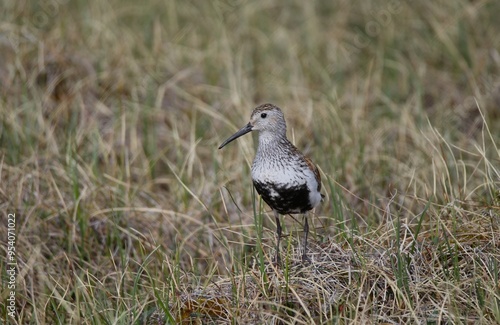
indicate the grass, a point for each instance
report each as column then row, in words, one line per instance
column 126, row 213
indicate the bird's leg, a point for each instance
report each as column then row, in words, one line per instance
column 306, row 232
column 277, row 259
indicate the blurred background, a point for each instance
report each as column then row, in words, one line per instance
column 112, row 111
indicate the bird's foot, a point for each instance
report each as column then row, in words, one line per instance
column 305, row 259
column 277, row 260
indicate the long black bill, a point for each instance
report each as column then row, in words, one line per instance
column 244, row 130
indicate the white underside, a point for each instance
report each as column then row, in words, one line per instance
column 286, row 170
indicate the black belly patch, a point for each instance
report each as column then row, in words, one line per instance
column 288, row 199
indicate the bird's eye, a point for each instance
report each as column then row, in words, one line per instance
column 263, row 115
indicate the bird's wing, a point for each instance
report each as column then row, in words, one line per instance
column 315, row 170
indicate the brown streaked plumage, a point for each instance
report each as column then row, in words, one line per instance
column 287, row 181
column 315, row 169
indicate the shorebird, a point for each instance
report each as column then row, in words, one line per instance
column 287, row 181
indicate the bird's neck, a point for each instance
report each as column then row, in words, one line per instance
column 271, row 144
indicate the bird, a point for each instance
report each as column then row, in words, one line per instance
column 287, row 180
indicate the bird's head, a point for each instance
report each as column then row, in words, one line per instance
column 266, row 118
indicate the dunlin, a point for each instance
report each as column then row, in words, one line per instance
column 287, row 181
